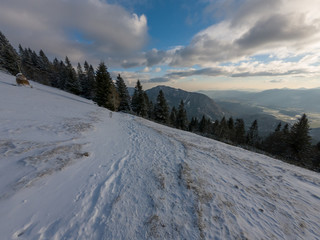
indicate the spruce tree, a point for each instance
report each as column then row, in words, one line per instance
column 72, row 83
column 82, row 80
column 9, row 58
column 193, row 125
column 230, row 129
column 123, row 95
column 140, row 101
column 300, row 140
column 161, row 110
column 90, row 80
column 223, row 129
column 203, row 125
column 239, row 131
column 173, row 116
column 182, row 120
column 253, row 135
column 102, row 85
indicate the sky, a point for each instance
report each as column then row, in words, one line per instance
column 187, row 44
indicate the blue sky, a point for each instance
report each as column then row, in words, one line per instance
column 193, row 45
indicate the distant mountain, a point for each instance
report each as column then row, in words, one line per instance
column 269, row 106
column 305, row 99
column 196, row 104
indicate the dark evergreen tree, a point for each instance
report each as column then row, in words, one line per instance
column 113, row 97
column 102, row 85
column 161, row 109
column 223, row 129
column 123, row 95
column 90, row 85
column 300, row 140
column 9, row 58
column 253, row 135
column 63, row 75
column 140, row 101
column 239, row 131
column 215, row 128
column 203, row 125
column 182, row 120
column 147, row 106
column 72, row 83
column 277, row 142
column 173, row 116
column 151, row 110
column 193, row 125
column 82, row 80
column 231, row 129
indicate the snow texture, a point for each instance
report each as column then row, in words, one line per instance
column 71, row 170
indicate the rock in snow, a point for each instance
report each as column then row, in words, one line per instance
column 69, row 171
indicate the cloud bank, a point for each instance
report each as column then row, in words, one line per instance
column 81, row 29
column 245, row 29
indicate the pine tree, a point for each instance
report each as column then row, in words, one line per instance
column 90, row 81
column 9, row 58
column 239, row 131
column 230, row 129
column 72, row 83
column 140, row 101
column 253, row 135
column 150, row 110
column 203, row 125
column 161, row 109
column 173, row 116
column 277, row 142
column 300, row 140
column 223, row 129
column 82, row 80
column 123, row 95
column 193, row 125
column 182, row 120
column 102, row 85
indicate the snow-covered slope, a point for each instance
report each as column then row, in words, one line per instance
column 71, row 170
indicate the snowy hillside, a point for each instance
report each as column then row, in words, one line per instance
column 70, row 170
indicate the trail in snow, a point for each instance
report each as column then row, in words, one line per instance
column 69, row 171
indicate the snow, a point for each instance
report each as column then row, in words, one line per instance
column 70, row 170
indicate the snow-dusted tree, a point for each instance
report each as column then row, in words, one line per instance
column 123, row 95
column 161, row 109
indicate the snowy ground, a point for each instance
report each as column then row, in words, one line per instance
column 68, row 170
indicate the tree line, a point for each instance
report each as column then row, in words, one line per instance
column 288, row 143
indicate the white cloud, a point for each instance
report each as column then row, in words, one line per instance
column 157, row 69
column 278, row 28
column 146, row 69
column 131, row 78
column 81, row 29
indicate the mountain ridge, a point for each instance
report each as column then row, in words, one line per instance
column 196, row 104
